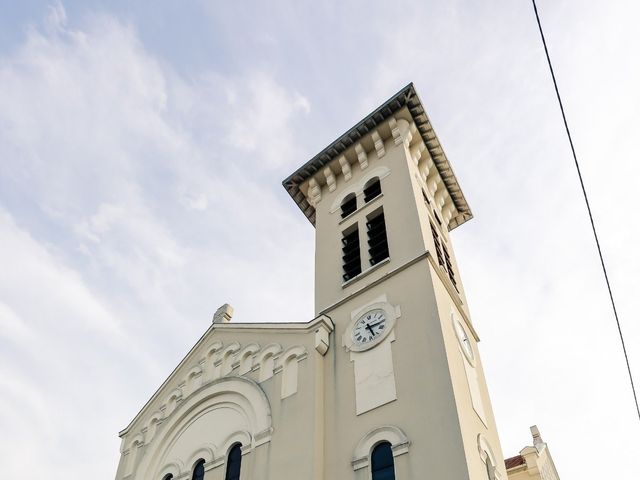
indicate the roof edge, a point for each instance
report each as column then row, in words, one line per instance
column 408, row 97
column 295, row 327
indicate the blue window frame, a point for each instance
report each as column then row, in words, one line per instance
column 234, row 462
column 382, row 462
column 198, row 471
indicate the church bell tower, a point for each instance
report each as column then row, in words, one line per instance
column 405, row 373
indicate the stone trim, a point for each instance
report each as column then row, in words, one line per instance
column 390, row 433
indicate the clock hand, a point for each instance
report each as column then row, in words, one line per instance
column 370, row 329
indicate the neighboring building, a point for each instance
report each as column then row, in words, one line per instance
column 533, row 463
column 386, row 381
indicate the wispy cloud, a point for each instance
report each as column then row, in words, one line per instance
column 125, row 193
column 136, row 196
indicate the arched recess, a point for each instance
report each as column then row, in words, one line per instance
column 152, row 425
column 266, row 360
column 212, row 349
column 241, row 437
column 224, row 362
column 358, row 188
column 194, row 379
column 174, row 468
column 205, row 452
column 132, row 453
column 245, row 358
column 172, row 401
column 288, row 362
column 488, row 458
column 233, row 404
column 389, row 433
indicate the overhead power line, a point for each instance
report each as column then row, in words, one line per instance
column 586, row 201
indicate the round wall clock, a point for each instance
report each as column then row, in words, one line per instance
column 369, row 327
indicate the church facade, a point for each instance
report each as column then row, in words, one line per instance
column 386, row 381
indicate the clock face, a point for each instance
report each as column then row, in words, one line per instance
column 465, row 343
column 369, row 327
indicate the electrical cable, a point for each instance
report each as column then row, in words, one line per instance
column 586, row 200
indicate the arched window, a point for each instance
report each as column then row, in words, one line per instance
column 490, row 470
column 349, row 205
column 372, row 189
column 233, row 463
column 487, row 456
column 198, row 471
column 382, row 462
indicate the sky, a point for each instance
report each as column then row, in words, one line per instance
column 142, row 149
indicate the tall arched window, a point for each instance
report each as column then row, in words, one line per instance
column 198, row 471
column 382, row 462
column 233, row 463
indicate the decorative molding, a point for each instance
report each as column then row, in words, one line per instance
column 213, row 348
column 321, row 341
column 357, row 189
column 175, row 468
column 362, row 156
column 266, row 361
column 406, row 131
column 416, row 152
column 395, row 131
column 152, row 425
column 346, row 167
column 390, row 433
column 204, row 452
column 240, row 394
column 378, row 143
column 314, row 192
column 486, row 454
column 244, row 359
column 331, row 179
column 448, row 211
column 440, row 197
column 288, row 364
column 243, row 437
column 433, row 183
column 205, row 353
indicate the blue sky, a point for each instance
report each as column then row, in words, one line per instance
column 142, row 146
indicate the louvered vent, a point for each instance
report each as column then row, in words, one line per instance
column 351, row 255
column 349, row 205
column 377, row 233
column 436, row 241
column 449, row 266
column 372, row 189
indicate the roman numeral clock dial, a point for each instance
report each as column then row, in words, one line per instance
column 369, row 327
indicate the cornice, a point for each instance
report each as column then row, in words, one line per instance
column 368, row 129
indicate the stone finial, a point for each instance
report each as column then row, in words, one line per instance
column 223, row 314
column 535, row 433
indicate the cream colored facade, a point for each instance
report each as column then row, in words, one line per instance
column 311, row 400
